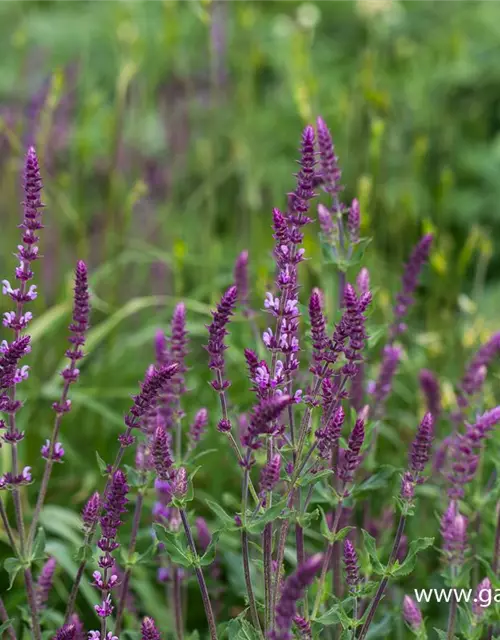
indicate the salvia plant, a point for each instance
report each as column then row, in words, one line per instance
column 314, row 559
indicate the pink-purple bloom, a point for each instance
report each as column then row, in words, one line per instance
column 44, row 584
column 430, row 388
column 293, row 591
column 351, row 564
column 411, row 613
column 149, row 630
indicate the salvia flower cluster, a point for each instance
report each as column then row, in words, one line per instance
column 307, row 454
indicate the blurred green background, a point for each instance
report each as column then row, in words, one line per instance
column 166, row 133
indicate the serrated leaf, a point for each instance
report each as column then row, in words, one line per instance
column 340, row 535
column 409, row 563
column 371, row 549
column 305, row 519
column 209, row 556
column 311, row 478
column 174, row 546
column 377, row 481
column 12, row 566
column 220, row 513
column 258, row 525
column 241, row 629
column 84, row 553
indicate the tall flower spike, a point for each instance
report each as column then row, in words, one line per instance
column 328, row 436
column 44, row 584
column 66, row 632
column 404, row 299
column 383, row 385
column 411, row 613
column 421, row 446
column 299, row 199
column 292, row 592
column 198, row 426
column 430, row 388
column 241, row 279
column 329, row 162
column 270, row 474
column 480, row 602
column 162, row 456
column 353, row 222
column 91, row 510
column 473, row 378
column 318, row 331
column 454, row 534
column 352, row 458
column 149, row 394
column 178, row 345
column 263, row 418
column 351, row 564
column 304, row 627
column 149, row 630
column 11, row 354
column 217, row 331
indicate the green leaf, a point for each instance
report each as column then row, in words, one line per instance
column 149, row 553
column 340, row 535
column 371, row 549
column 258, row 525
column 241, row 629
column 174, row 546
column 311, row 478
column 220, row 513
column 38, row 552
column 84, row 553
column 324, row 527
column 5, row 625
column 102, row 465
column 12, row 566
column 306, row 518
column 409, row 563
column 441, row 634
column 200, row 455
column 209, row 556
column 375, row 482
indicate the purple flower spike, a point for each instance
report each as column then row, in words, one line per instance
column 178, row 345
column 204, row 537
column 352, row 458
column 483, row 598
column 383, row 385
column 454, row 533
column 241, row 278
column 421, row 447
column 198, row 426
column 351, row 564
column 151, row 389
column 149, row 630
column 328, row 229
column 329, row 162
column 411, row 613
column 11, row 354
column 430, row 388
column 162, row 456
column 299, row 199
column 404, row 299
column 79, row 628
column 303, row 626
column 329, row 435
column 44, row 584
column 475, row 372
column 217, row 331
column 353, row 222
column 91, row 510
column 66, row 632
column 363, row 281
column 263, row 418
column 292, row 592
column 270, row 475
column 318, row 331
